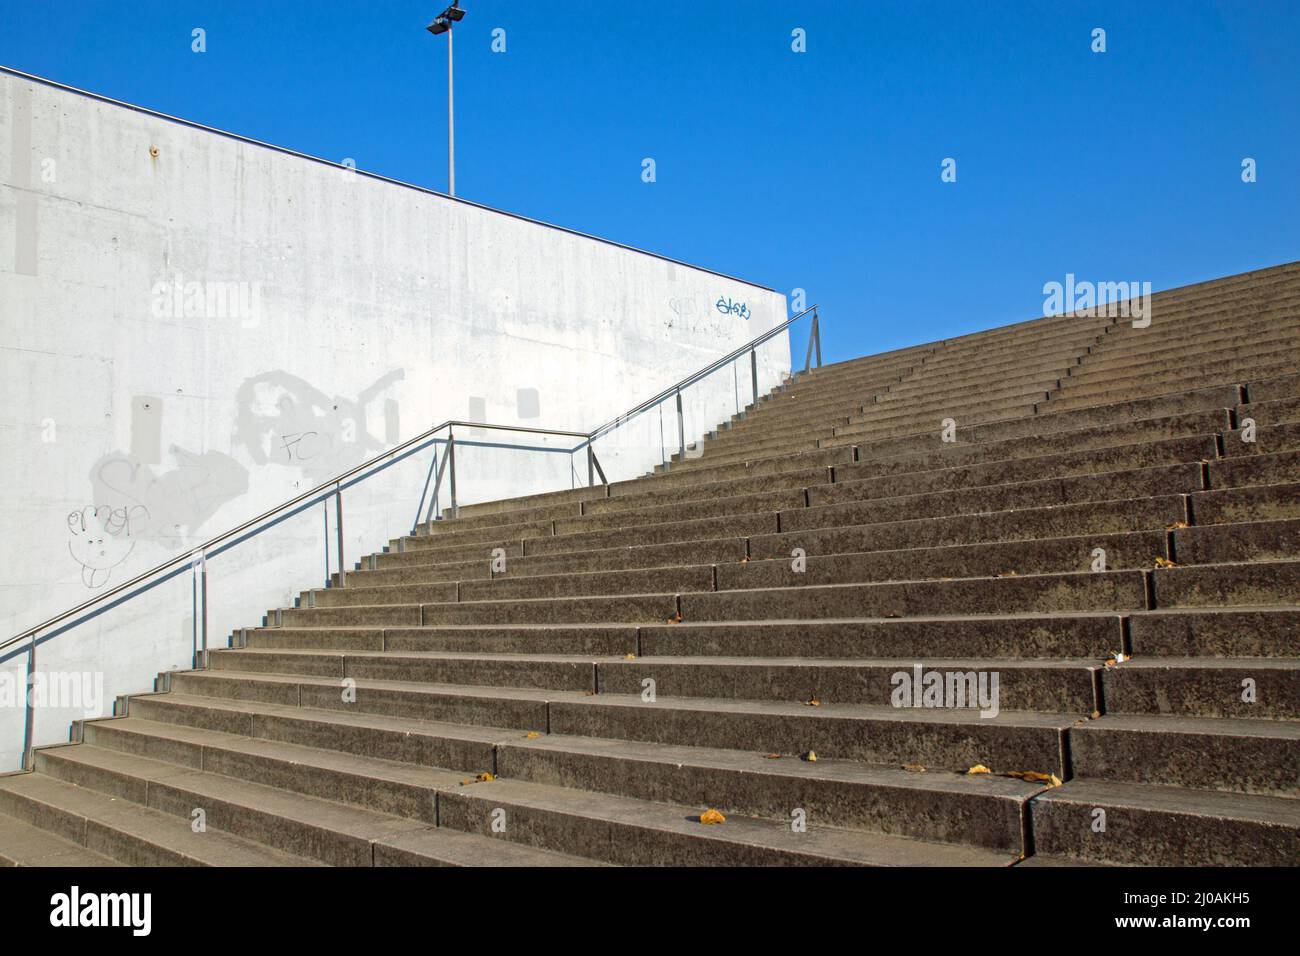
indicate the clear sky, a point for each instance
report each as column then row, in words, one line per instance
column 818, row 170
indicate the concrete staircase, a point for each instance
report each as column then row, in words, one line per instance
column 651, row 650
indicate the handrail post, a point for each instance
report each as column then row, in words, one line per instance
column 338, row 530
column 817, row 336
column 451, row 464
column 681, row 428
column 591, row 466
column 203, row 596
column 753, row 373
column 29, row 708
column 325, row 525
column 419, row 509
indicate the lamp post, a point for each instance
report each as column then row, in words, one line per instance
column 442, row 24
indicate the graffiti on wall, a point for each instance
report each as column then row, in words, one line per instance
column 286, row 420
column 280, row 418
column 133, row 502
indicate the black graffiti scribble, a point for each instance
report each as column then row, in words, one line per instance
column 285, row 419
column 102, row 539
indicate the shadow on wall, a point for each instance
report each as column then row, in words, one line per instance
column 286, row 420
column 281, row 419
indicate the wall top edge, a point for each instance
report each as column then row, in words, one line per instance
column 55, row 84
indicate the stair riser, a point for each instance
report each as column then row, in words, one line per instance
column 1049, row 689
column 1228, row 585
column 957, row 745
column 1136, row 836
column 384, row 796
column 1057, row 637
column 1112, row 590
column 414, row 746
column 553, row 675
column 842, row 505
column 991, row 559
column 476, row 710
column 1203, row 692
column 1238, row 763
column 1241, row 633
column 987, row 820
column 1064, row 521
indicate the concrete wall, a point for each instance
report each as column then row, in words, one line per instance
column 196, row 327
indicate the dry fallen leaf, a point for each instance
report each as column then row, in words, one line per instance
column 1163, row 562
column 629, row 657
column 914, row 768
column 1176, row 526
column 675, row 619
column 812, row 702
column 979, row 768
column 712, row 816
column 744, row 560
column 1031, row 776
column 771, row 756
column 533, row 735
column 1009, row 574
column 1094, row 715
column 485, row 777
column 810, row 756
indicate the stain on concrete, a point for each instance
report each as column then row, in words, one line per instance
column 25, row 220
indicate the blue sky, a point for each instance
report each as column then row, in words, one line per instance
column 818, row 170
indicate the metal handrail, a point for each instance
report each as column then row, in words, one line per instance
column 710, row 368
column 325, row 489
column 334, row 486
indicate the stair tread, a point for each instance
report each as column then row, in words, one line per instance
column 1263, row 808
column 700, row 659
column 817, row 845
column 1152, row 723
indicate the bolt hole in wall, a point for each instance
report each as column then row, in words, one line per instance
column 200, row 328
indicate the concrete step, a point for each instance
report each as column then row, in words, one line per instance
column 323, row 830
column 22, row 844
column 127, row 832
column 640, row 833
column 1200, row 753
column 1250, row 688
column 1262, row 584
column 1237, row 542
column 1215, row 632
column 1095, row 635
column 952, row 808
column 522, row 708
column 1164, row 826
column 936, row 738
column 600, row 640
column 463, row 747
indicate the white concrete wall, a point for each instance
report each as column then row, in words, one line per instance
column 140, row 414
